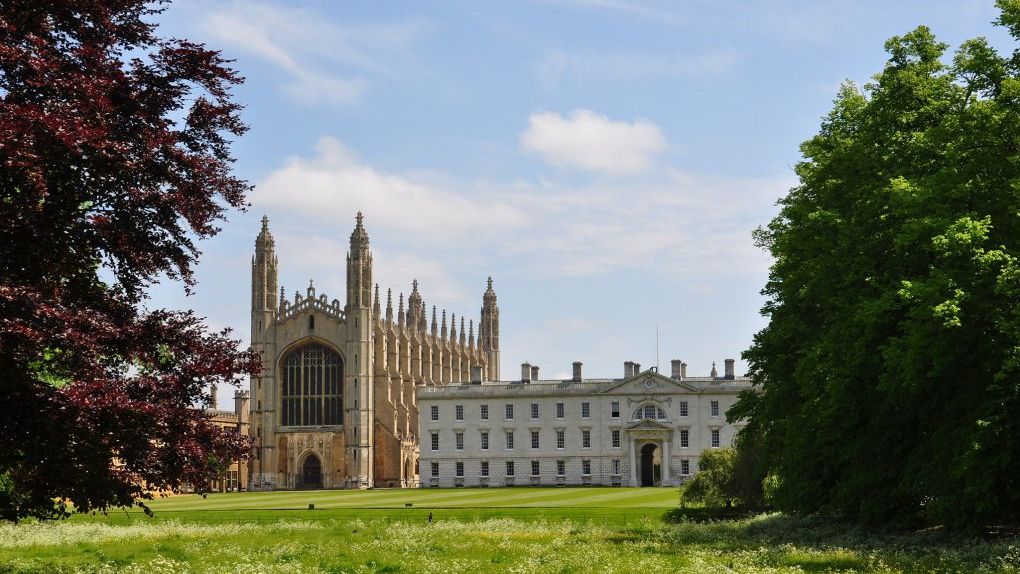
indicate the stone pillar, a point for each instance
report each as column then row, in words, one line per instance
column 665, row 462
column 634, row 481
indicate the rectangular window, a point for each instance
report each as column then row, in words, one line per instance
column 685, row 467
column 509, row 412
column 615, row 409
column 534, row 439
column 585, row 410
column 435, row 470
column 460, row 440
column 435, row 412
column 459, row 412
column 685, row 438
column 534, row 468
column 534, row 410
column 714, row 406
column 561, row 468
column 485, row 468
column 460, row 469
column 616, row 438
column 509, row 468
column 586, row 467
column 509, row 440
column 585, row 438
column 435, row 441
column 484, row 413
column 559, row 410
column 616, row 466
column 683, row 408
column 485, row 440
column 715, row 438
column 560, row 440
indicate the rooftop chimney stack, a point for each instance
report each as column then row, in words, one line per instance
column 525, row 372
column 628, row 369
column 476, row 374
column 534, row 373
column 675, row 366
column 683, row 370
column 637, row 368
column 577, row 372
column 729, row 369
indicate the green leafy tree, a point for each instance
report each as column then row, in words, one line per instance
column 889, row 372
column 726, row 476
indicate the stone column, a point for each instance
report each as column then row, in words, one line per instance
column 633, row 465
column 665, row 462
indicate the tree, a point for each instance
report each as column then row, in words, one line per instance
column 725, row 477
column 889, row 372
column 114, row 161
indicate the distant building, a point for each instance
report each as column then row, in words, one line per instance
column 234, row 477
column 335, row 405
column 643, row 429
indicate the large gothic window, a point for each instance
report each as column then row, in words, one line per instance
column 312, row 387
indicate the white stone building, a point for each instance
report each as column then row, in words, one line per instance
column 644, row 429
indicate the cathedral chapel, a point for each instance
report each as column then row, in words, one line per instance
column 335, row 405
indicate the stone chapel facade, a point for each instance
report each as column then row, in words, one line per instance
column 335, row 405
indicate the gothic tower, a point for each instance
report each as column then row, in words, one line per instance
column 488, row 331
column 359, row 396
column 263, row 323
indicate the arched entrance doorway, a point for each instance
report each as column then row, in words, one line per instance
column 311, row 472
column 649, row 464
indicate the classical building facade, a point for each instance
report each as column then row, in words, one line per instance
column 643, row 429
column 335, row 405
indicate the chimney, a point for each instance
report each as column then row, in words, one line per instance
column 729, row 369
column 637, row 368
column 476, row 374
column 534, row 373
column 675, row 366
column 628, row 369
column 577, row 372
column 683, row 370
column 525, row 372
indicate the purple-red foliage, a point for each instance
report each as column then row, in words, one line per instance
column 114, row 160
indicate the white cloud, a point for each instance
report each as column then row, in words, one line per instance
column 333, row 185
column 591, row 141
column 679, row 224
column 325, row 62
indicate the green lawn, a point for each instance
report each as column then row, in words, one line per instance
column 475, row 530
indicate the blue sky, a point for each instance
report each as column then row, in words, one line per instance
column 604, row 160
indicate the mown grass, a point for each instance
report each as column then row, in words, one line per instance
column 374, row 532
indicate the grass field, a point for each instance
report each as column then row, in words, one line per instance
column 475, row 530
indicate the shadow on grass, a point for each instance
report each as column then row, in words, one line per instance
column 818, row 544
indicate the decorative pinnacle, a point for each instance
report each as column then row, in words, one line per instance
column 359, row 237
column 400, row 310
column 490, row 283
column 414, row 286
column 360, row 218
column 265, row 223
column 434, row 323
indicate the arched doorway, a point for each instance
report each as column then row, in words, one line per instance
column 649, row 464
column 311, row 472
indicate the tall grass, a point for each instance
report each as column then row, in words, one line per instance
column 389, row 543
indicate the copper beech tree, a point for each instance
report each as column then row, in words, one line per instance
column 114, row 161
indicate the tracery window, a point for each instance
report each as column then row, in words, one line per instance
column 311, row 393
